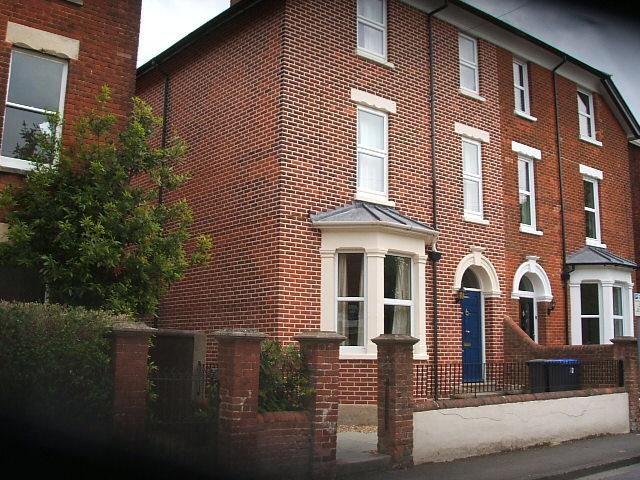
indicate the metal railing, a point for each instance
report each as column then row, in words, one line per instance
column 456, row 380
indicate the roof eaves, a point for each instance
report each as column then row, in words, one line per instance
column 496, row 21
column 612, row 90
column 217, row 21
column 605, row 78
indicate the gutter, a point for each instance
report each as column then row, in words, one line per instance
column 434, row 255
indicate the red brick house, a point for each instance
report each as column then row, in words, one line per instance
column 403, row 166
column 54, row 56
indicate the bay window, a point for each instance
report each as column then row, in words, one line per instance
column 618, row 312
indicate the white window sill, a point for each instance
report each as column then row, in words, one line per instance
column 526, row 116
column 592, row 141
column 15, row 165
column 375, row 58
column 368, row 197
column 471, row 94
column 530, row 230
column 475, row 219
column 592, row 242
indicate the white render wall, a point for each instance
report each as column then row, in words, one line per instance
column 447, row 434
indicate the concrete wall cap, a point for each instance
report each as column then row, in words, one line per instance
column 624, row 340
column 319, row 336
column 248, row 334
column 132, row 328
column 394, row 339
column 169, row 332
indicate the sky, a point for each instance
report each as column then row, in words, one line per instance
column 607, row 40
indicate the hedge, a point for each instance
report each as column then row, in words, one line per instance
column 55, row 363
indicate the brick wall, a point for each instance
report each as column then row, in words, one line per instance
column 223, row 103
column 283, row 443
column 108, row 34
column 518, row 347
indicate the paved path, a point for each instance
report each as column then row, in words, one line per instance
column 569, row 460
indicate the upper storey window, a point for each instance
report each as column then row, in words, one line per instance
column 36, row 86
column 468, row 54
column 586, row 117
column 372, row 27
column 472, row 178
column 521, row 87
column 591, row 180
column 372, row 154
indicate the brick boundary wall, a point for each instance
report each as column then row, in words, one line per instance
column 626, row 349
column 395, row 398
column 303, row 443
column 518, row 347
column 129, row 360
column 426, row 404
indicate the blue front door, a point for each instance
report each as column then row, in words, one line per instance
column 471, row 337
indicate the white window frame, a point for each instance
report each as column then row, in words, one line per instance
column 531, row 194
column 597, row 240
column 474, row 66
column 400, row 302
column 378, row 26
column 590, row 118
column 18, row 164
column 599, row 315
column 522, row 88
column 364, row 193
column 474, row 178
column 622, row 316
column 352, row 348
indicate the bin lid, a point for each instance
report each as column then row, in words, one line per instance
column 556, row 361
column 563, row 361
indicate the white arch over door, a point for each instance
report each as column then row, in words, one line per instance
column 539, row 278
column 484, row 270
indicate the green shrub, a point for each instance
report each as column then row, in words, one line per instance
column 284, row 378
column 55, row 363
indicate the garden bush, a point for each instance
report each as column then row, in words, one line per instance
column 55, row 364
column 284, row 378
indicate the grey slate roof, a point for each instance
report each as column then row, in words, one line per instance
column 598, row 256
column 364, row 213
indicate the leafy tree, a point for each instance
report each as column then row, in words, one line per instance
column 84, row 221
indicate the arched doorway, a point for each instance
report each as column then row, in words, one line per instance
column 472, row 328
column 531, row 285
column 478, row 279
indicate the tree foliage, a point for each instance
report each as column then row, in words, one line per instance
column 84, row 221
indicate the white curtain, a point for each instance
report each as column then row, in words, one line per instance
column 343, row 291
column 402, row 314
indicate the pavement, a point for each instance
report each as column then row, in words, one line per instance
column 357, row 460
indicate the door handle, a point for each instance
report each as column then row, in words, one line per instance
column 467, row 331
